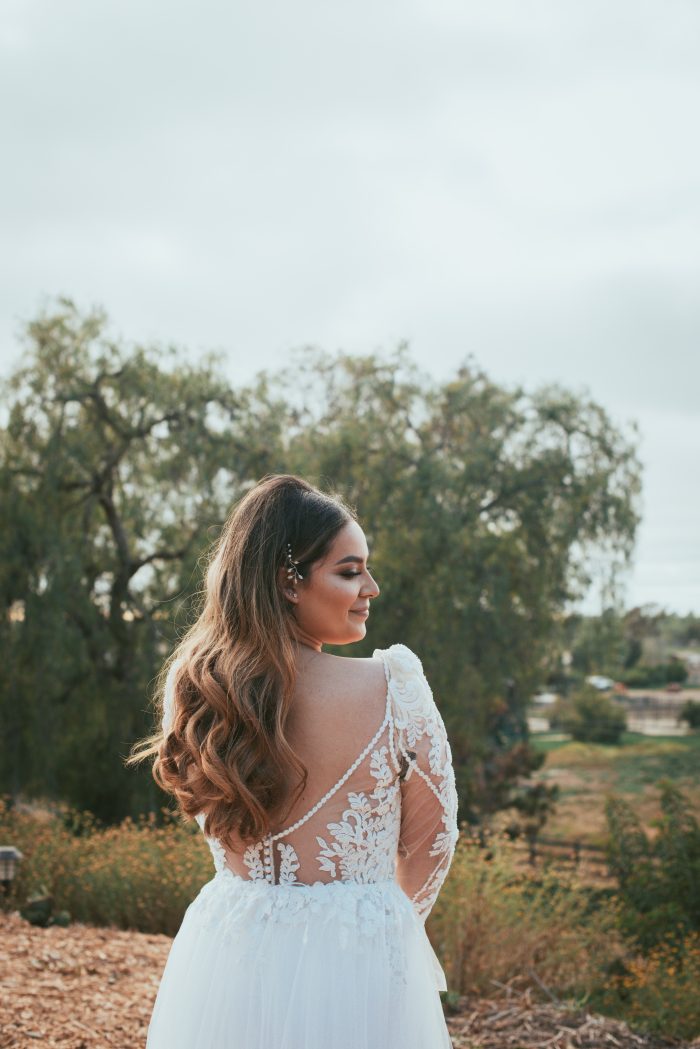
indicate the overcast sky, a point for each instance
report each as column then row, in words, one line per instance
column 519, row 181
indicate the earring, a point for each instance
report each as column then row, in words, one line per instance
column 292, row 570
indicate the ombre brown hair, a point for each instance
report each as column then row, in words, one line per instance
column 225, row 752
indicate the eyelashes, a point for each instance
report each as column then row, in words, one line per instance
column 352, row 575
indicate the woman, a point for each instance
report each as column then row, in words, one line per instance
column 324, row 787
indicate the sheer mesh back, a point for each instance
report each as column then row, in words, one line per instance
column 392, row 815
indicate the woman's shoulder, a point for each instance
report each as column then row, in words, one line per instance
column 400, row 661
column 412, row 698
column 338, row 680
column 366, row 671
column 396, row 665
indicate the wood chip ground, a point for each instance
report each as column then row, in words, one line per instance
column 93, row 988
column 519, row 1022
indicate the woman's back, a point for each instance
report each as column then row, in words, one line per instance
column 338, row 706
column 380, row 802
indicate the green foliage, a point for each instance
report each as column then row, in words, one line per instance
column 642, row 647
column 534, row 804
column 659, row 879
column 38, row 910
column 690, row 713
column 600, row 645
column 657, row 991
column 117, row 467
column 133, row 875
column 655, row 675
column 591, row 717
column 114, row 466
column 639, row 677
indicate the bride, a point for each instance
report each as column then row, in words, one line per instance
column 325, row 790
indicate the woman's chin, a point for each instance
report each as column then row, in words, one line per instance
column 356, row 634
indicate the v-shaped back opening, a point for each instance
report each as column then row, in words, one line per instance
column 296, row 846
column 348, row 772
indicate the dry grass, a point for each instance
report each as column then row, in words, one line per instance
column 494, row 922
column 136, row 875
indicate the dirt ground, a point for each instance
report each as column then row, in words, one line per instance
column 89, row 988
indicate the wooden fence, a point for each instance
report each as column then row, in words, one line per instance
column 573, row 855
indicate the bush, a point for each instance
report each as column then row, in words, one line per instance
column 655, row 675
column 659, row 880
column 640, row 677
column 495, row 922
column 690, row 712
column 137, row 875
column 658, row 991
column 591, row 717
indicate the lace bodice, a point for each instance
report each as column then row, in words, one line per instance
column 391, row 815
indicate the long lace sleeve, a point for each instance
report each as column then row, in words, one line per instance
column 429, row 829
column 169, row 699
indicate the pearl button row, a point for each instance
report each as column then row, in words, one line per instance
column 329, row 794
column 267, row 862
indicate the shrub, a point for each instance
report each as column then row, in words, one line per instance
column 655, row 675
column 494, row 922
column 658, row 991
column 659, row 880
column 136, row 875
column 591, row 717
column 690, row 712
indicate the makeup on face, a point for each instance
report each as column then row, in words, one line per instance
column 334, row 604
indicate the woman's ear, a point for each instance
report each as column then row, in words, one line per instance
column 288, row 589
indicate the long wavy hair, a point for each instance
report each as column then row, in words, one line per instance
column 225, row 752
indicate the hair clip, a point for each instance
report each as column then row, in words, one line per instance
column 293, row 572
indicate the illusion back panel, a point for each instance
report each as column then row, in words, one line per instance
column 349, row 834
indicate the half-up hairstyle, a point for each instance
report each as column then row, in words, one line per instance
column 232, row 676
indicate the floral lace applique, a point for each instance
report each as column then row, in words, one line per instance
column 363, row 843
column 289, row 863
column 420, row 729
column 253, row 860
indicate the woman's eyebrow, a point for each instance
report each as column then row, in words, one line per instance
column 350, row 557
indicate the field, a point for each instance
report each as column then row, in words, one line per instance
column 587, row 772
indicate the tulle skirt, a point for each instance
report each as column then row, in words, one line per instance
column 325, row 966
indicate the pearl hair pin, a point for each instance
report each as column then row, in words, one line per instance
column 293, row 573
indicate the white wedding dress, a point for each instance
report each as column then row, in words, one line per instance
column 322, row 944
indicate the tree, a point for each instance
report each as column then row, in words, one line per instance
column 600, row 646
column 480, row 504
column 114, row 466
column 690, row 713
